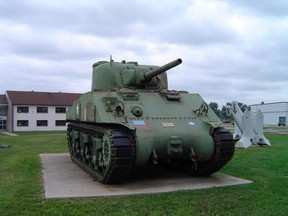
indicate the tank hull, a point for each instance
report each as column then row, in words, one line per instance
column 165, row 127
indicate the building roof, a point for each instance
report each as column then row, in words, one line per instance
column 42, row 98
column 260, row 104
column 3, row 100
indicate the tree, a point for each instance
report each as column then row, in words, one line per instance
column 243, row 106
column 214, row 107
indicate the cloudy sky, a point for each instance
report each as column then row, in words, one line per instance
column 231, row 50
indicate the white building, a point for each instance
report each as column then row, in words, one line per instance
column 272, row 111
column 36, row 111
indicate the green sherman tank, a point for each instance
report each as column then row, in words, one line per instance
column 130, row 119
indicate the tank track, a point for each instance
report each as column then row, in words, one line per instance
column 110, row 161
column 223, row 153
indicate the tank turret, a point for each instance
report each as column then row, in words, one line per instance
column 111, row 75
column 131, row 119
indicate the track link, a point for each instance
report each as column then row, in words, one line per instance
column 223, row 153
column 106, row 153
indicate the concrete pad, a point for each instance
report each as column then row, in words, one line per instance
column 63, row 178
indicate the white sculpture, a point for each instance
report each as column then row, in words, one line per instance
column 248, row 127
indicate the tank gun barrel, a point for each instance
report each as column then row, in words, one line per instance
column 150, row 74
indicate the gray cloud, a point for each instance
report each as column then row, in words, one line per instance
column 232, row 50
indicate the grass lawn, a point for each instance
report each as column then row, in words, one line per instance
column 21, row 189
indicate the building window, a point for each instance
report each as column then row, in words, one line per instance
column 60, row 123
column 42, row 123
column 42, row 109
column 22, row 123
column 60, row 109
column 2, row 124
column 3, row 111
column 22, row 109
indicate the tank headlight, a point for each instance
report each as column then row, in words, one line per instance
column 137, row 111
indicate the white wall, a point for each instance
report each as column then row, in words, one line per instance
column 272, row 111
column 32, row 116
